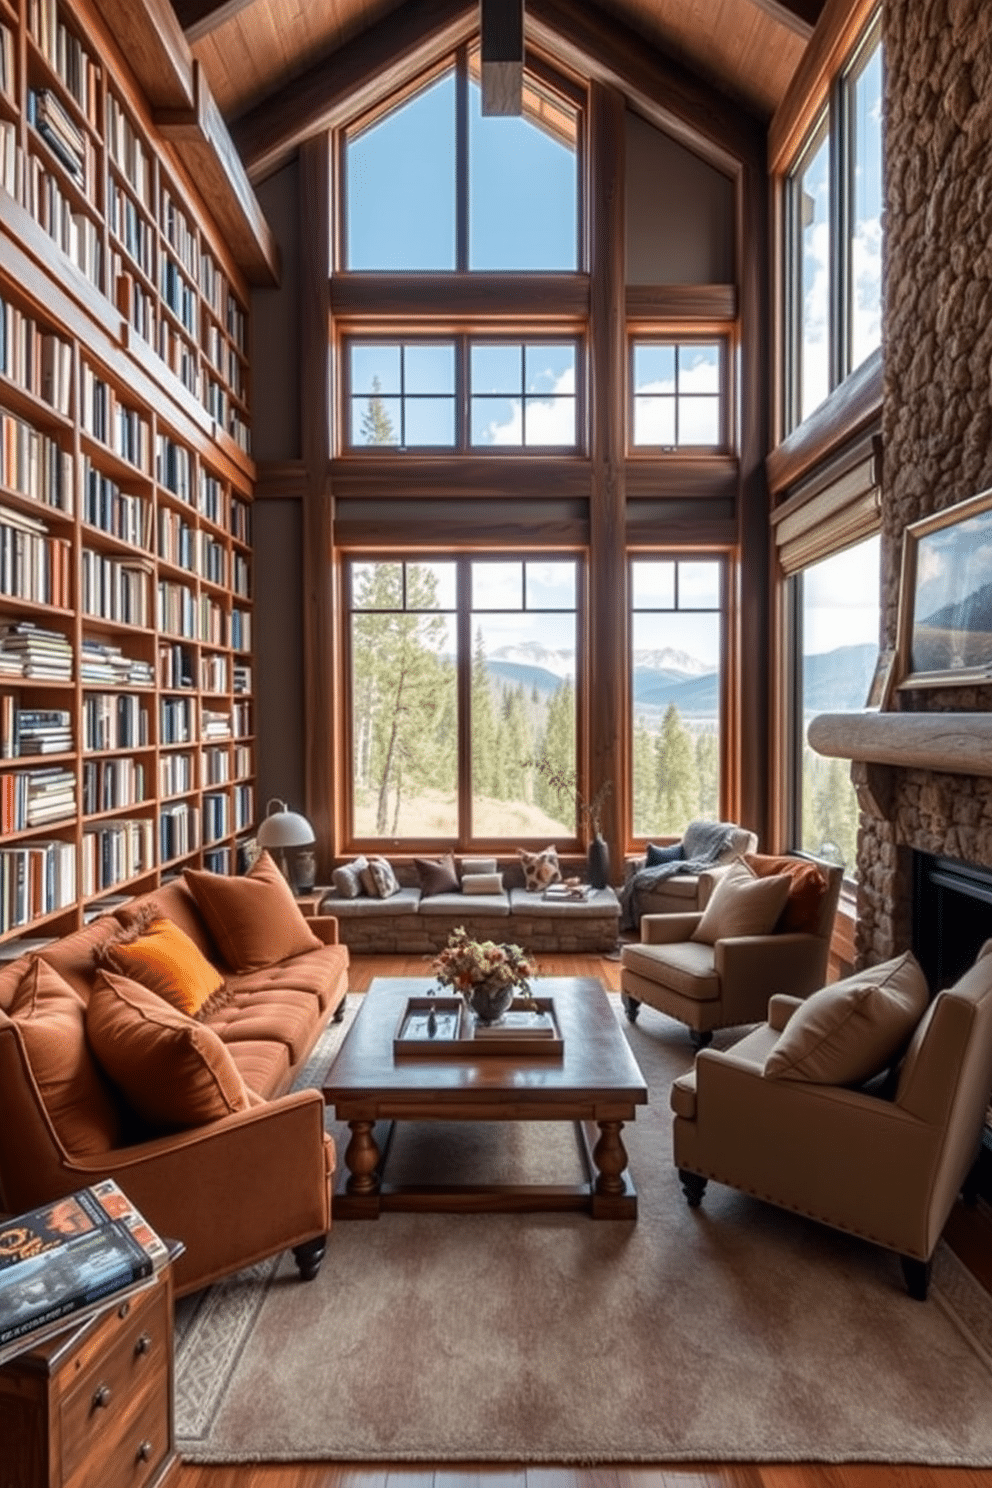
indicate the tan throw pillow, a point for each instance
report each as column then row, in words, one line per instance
column 164, row 959
column 482, row 883
column 540, row 868
column 347, row 878
column 174, row 1072
column 51, row 1021
column 437, row 875
column 254, row 920
column 742, row 904
column 808, row 885
column 851, row 1030
column 378, row 879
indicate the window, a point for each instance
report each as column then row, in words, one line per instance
column 833, row 237
column 676, row 665
column 433, row 640
column 416, row 394
column 516, row 207
column 836, row 616
column 678, row 394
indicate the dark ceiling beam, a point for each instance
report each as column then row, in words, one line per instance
column 199, row 17
column 358, row 74
column 501, row 33
column 799, row 15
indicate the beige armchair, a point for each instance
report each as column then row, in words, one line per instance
column 886, row 1169
column 683, row 892
column 729, row 981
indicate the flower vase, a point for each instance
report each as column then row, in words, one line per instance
column 599, row 862
column 490, row 999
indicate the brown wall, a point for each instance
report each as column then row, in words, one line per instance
column 693, row 244
column 275, row 322
column 937, row 420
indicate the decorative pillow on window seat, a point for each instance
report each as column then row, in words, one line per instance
column 540, row 868
column 254, row 920
column 156, row 953
column 437, row 875
column 173, row 1071
column 378, row 879
column 654, row 855
column 347, row 879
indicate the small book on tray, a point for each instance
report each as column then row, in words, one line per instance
column 519, row 1023
column 567, row 891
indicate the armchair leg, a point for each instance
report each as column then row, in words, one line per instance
column 631, row 1006
column 338, row 1013
column 308, row 1257
column 917, row 1276
column 700, row 1038
column 693, row 1187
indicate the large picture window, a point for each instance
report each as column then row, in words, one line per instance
column 676, row 664
column 462, row 672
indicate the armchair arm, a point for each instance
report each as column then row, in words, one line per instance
column 794, row 963
column 708, row 880
column 234, row 1191
column 666, row 929
column 325, row 927
column 851, row 1159
column 781, row 1009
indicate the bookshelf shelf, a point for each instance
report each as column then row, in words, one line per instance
column 124, row 370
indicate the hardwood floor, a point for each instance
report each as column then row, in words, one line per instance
column 969, row 1232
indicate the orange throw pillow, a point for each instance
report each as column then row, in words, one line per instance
column 809, row 885
column 254, row 920
column 173, row 1071
column 51, row 1020
column 165, row 960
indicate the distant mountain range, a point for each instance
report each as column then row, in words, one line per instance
column 834, row 681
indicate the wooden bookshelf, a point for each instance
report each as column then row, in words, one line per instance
column 126, row 481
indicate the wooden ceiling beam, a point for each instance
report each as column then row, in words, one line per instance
column 501, row 31
column 364, row 70
column 799, row 15
column 199, row 17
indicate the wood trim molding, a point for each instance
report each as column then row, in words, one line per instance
column 486, row 478
column 686, row 479
column 199, row 17
column 469, row 296
column 277, row 479
column 711, row 303
column 369, row 67
column 837, row 30
column 799, row 15
column 850, row 409
column 151, row 39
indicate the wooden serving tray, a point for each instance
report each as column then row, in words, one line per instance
column 455, row 1033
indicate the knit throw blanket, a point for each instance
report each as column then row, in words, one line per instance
column 703, row 844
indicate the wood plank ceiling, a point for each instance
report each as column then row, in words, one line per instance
column 749, row 49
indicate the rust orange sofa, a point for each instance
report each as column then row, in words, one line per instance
column 234, row 1189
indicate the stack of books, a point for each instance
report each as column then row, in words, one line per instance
column 567, row 893
column 59, row 131
column 102, row 662
column 27, row 731
column 26, row 650
column 68, row 1259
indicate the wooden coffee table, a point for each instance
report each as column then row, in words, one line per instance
column 596, row 1083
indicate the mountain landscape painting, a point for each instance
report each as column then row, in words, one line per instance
column 952, row 595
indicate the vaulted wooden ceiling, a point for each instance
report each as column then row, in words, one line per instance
column 251, row 49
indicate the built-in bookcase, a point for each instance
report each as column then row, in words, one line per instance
column 126, row 717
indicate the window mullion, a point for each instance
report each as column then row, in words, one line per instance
column 463, row 601
column 461, row 161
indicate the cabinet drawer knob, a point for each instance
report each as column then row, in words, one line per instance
column 145, row 1451
column 123, row 1310
column 144, row 1344
column 101, row 1397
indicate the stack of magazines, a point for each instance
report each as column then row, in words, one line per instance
column 66, row 1260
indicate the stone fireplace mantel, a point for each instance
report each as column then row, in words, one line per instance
column 960, row 743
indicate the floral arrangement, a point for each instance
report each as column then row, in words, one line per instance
column 566, row 783
column 465, row 962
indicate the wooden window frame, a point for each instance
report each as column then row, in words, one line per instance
column 464, row 841
column 722, row 338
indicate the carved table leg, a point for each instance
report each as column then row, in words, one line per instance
column 610, row 1157
column 362, row 1159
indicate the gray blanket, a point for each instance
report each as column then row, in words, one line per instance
column 702, row 843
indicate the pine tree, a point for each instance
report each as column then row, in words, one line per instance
column 708, row 770
column 678, row 782
column 484, row 751
column 558, row 746
column 377, row 426
column 644, row 791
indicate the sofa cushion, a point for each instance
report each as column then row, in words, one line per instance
column 497, row 905
column 851, row 1030
column 263, row 1066
column 742, row 904
column 255, row 920
column 378, row 879
column 73, row 956
column 317, row 973
column 540, row 868
column 347, row 879
column 405, row 902
column 597, row 902
column 173, row 1071
column 283, row 1015
column 51, row 1021
column 437, row 875
column 655, row 855
column 808, row 884
column 685, row 967
column 164, row 959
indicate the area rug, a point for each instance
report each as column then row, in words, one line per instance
column 734, row 1332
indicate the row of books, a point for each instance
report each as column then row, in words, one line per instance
column 179, row 831
column 180, row 235
column 215, row 766
column 36, row 359
column 176, row 720
column 109, row 784
column 116, row 588
column 188, row 547
column 8, row 74
column 239, row 431
column 11, row 161
column 67, row 55
column 65, row 1260
column 36, row 798
column 214, row 724
column 240, row 630
column 213, row 673
column 216, row 809
column 118, row 512
column 34, row 464
column 244, row 806
column 36, row 880
column 240, row 575
column 131, row 228
column 101, row 661
column 28, row 650
column 33, row 565
column 175, row 665
column 29, row 731
column 241, row 720
column 128, row 152
column 75, row 232
column 70, row 144
column 175, row 774
column 178, row 355
column 116, row 852
column 174, row 467
column 114, row 721
column 242, row 677
column 106, row 418
column 178, row 293
column 217, row 860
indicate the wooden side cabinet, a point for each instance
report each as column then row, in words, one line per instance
column 95, row 1404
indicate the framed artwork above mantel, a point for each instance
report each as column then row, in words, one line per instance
column 945, row 598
